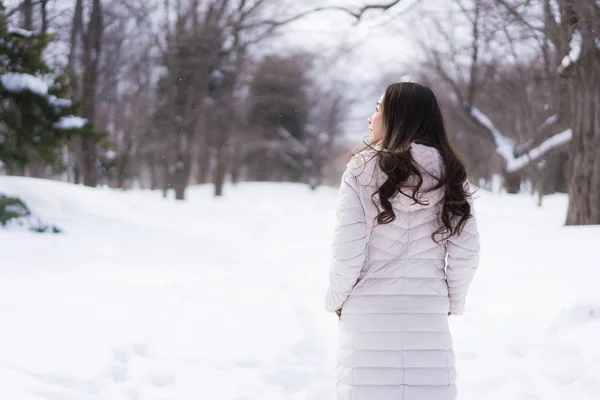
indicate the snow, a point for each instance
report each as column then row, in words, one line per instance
column 217, row 75
column 19, row 31
column 504, row 145
column 551, row 120
column 297, row 146
column 70, row 122
column 575, row 50
column 549, row 144
column 59, row 102
column 222, row 299
column 16, row 82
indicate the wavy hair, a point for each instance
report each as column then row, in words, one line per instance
column 411, row 114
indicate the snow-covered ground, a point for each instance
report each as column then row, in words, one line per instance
column 222, row 299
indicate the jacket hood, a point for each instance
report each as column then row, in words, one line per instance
column 430, row 164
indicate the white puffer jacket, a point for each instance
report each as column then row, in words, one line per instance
column 396, row 288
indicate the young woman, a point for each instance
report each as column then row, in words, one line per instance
column 406, row 248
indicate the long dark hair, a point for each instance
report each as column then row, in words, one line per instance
column 411, row 114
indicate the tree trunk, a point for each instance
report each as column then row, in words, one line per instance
column 43, row 6
column 584, row 89
column 76, row 27
column 220, row 171
column 512, row 182
column 166, row 178
column 152, row 162
column 27, row 10
column 180, row 191
column 235, row 168
column 77, row 161
column 203, row 162
column 124, row 162
column 89, row 155
column 181, row 177
column 584, row 185
column 180, row 182
column 91, row 60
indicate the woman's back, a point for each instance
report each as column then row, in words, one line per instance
column 394, row 337
column 405, row 251
column 401, row 256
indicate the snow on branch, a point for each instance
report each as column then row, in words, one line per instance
column 574, row 52
column 551, row 143
column 505, row 146
column 70, row 122
column 55, row 101
column 290, row 160
column 296, row 145
column 553, row 119
column 15, row 82
column 19, row 31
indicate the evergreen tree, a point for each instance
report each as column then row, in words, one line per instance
column 35, row 121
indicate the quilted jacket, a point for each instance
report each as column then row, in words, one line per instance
column 395, row 286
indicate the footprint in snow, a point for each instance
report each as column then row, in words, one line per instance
column 122, row 355
column 161, row 379
column 116, row 373
column 140, row 350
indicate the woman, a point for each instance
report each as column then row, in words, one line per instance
column 404, row 207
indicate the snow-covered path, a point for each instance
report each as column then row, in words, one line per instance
column 221, row 299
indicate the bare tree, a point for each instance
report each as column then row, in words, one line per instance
column 581, row 67
column 470, row 84
column 574, row 32
column 208, row 47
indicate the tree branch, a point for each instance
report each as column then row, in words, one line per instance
column 446, row 77
column 553, row 142
column 513, row 11
column 356, row 14
column 474, row 56
column 17, row 8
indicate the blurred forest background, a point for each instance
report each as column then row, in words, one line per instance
column 163, row 94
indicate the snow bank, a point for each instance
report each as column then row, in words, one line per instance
column 221, row 299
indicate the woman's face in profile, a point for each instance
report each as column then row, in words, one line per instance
column 376, row 122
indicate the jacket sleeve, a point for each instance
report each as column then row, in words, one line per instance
column 462, row 262
column 349, row 243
